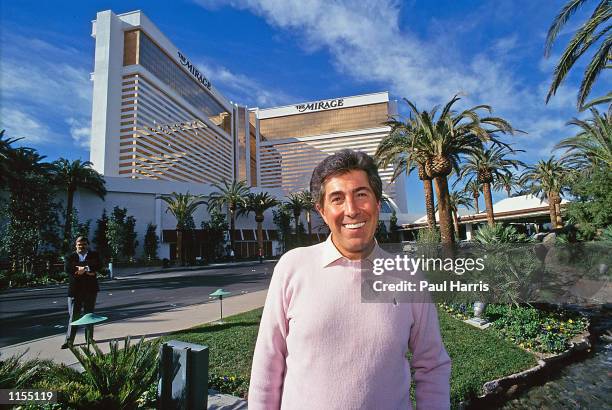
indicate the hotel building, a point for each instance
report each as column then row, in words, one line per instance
column 157, row 117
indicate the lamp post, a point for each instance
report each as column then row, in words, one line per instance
column 220, row 293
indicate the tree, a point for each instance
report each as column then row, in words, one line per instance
column 215, row 229
column 506, row 182
column 100, row 240
column 591, row 148
column 78, row 228
column 473, row 188
column 308, row 205
column 381, row 234
column 129, row 242
column 282, row 220
column 393, row 227
column 595, row 30
column 182, row 206
column 548, row 178
column 457, row 199
column 399, row 148
column 5, row 154
column 295, row 204
column 72, row 176
column 488, row 165
column 446, row 136
column 230, row 196
column 115, row 233
column 151, row 242
column 258, row 204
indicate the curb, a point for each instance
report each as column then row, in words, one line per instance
column 498, row 391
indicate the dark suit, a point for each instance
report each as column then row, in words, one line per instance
column 82, row 290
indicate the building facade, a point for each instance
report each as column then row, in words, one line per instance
column 159, row 122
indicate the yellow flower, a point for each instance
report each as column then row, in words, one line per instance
column 548, row 327
column 570, row 321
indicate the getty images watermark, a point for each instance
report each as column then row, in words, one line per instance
column 402, row 265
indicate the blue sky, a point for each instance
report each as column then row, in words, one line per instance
column 269, row 52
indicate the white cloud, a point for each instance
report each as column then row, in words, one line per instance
column 80, row 131
column 20, row 124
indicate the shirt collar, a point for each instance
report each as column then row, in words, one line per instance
column 332, row 254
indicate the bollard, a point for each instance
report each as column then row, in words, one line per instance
column 183, row 383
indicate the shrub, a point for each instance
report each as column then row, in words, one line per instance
column 428, row 236
column 18, row 374
column 499, row 233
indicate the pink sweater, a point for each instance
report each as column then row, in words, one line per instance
column 319, row 347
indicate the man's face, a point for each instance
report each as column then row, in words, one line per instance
column 350, row 209
column 81, row 246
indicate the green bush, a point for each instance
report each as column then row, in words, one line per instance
column 18, row 374
column 499, row 233
column 428, row 236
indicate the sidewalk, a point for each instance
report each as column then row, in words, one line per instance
column 151, row 326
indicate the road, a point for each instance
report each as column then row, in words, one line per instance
column 28, row 314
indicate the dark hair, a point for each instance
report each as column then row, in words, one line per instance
column 340, row 163
column 82, row 239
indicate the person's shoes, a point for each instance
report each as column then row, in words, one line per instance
column 67, row 345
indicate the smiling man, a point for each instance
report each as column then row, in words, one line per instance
column 319, row 346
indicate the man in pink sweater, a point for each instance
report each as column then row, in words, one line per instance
column 319, row 346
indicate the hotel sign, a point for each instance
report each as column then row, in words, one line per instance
column 320, row 105
column 193, row 70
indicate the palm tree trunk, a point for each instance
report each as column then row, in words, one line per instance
column 486, row 190
column 552, row 210
column 508, row 191
column 456, row 224
column 559, row 219
column 232, row 229
column 179, row 246
column 476, row 204
column 260, row 239
column 308, row 220
column 429, row 203
column 68, row 219
column 446, row 221
column 297, row 232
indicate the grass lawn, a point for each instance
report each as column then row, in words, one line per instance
column 478, row 356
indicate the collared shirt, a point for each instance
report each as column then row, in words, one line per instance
column 320, row 347
column 82, row 256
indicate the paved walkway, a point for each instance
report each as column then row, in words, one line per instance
column 150, row 326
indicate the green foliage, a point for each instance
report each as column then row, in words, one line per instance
column 100, row 240
column 282, row 220
column 534, row 329
column 78, row 228
column 121, row 234
column 591, row 209
column 428, row 236
column 151, row 242
column 215, row 229
column 381, row 234
column 234, row 385
column 115, row 380
column 499, row 234
column 18, row 374
column 31, row 222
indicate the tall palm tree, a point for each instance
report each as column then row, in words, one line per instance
column 258, row 204
column 72, row 176
column 308, row 206
column 592, row 146
column 295, row 203
column 595, row 30
column 182, row 206
column 488, row 164
column 474, row 189
column 506, row 182
column 230, row 196
column 447, row 136
column 548, row 178
column 400, row 149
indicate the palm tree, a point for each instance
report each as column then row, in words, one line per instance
column 230, row 195
column 308, row 205
column 596, row 28
column 182, row 206
column 258, row 204
column 592, row 146
column 5, row 153
column 487, row 165
column 296, row 205
column 72, row 176
column 399, row 148
column 548, row 178
column 444, row 138
column 473, row 188
column 506, row 181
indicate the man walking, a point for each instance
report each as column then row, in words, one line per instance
column 82, row 267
